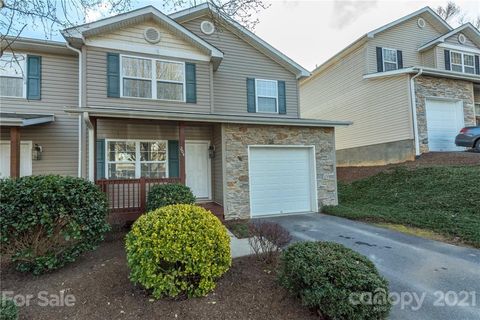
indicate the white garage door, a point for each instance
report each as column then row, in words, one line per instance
column 281, row 180
column 444, row 121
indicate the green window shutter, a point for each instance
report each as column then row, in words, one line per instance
column 282, row 99
column 251, row 103
column 173, row 159
column 113, row 75
column 34, row 77
column 379, row 59
column 100, row 159
column 191, row 82
column 399, row 59
column 446, row 54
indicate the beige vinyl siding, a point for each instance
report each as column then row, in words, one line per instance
column 144, row 129
column 59, row 139
column 242, row 61
column 134, row 35
column 407, row 37
column 428, row 58
column 378, row 108
column 97, row 86
column 454, row 40
column 217, row 165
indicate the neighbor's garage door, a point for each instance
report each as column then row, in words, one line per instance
column 444, row 121
column 281, row 180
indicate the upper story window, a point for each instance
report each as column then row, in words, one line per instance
column 12, row 75
column 390, row 59
column 152, row 78
column 266, row 95
column 462, row 62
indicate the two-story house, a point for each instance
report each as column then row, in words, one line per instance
column 144, row 98
column 408, row 87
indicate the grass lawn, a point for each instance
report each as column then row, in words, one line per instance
column 444, row 200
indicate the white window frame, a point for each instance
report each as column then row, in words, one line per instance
column 23, row 66
column 257, row 96
column 388, row 61
column 462, row 54
column 154, row 79
column 138, row 162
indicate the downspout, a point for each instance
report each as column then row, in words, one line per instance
column 91, row 146
column 414, row 111
column 80, row 95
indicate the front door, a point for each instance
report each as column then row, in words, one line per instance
column 197, row 167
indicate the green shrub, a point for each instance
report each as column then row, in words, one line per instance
column 332, row 278
column 167, row 194
column 8, row 309
column 178, row 250
column 47, row 221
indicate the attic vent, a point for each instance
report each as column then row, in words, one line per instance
column 461, row 38
column 152, row 35
column 421, row 23
column 207, row 27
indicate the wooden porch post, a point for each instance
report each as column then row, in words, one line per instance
column 15, row 152
column 181, row 144
column 93, row 120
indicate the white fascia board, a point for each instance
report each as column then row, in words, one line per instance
column 302, row 72
column 442, row 39
column 80, row 31
column 372, row 34
column 425, row 71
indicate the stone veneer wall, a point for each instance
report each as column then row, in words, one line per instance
column 237, row 138
column 426, row 87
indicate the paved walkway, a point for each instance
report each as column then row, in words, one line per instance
column 445, row 274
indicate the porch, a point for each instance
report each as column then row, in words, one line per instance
column 127, row 157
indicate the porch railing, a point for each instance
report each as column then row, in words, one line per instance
column 128, row 197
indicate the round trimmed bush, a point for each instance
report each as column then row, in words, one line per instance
column 335, row 280
column 8, row 309
column 48, row 221
column 178, row 250
column 167, row 194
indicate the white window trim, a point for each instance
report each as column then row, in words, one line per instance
column 154, row 79
column 462, row 54
column 383, row 59
column 138, row 162
column 257, row 96
column 23, row 66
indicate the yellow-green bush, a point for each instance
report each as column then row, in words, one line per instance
column 178, row 249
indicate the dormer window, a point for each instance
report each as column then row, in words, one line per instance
column 390, row 61
column 462, row 62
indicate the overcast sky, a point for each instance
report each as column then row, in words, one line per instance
column 312, row 31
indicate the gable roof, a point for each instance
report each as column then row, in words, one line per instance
column 470, row 31
column 77, row 34
column 426, row 12
column 246, row 35
column 431, row 16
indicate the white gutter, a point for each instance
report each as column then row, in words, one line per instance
column 79, row 52
column 414, row 111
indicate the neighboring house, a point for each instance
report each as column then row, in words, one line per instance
column 143, row 98
column 418, row 60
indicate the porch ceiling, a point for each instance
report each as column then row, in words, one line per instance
column 201, row 117
column 24, row 119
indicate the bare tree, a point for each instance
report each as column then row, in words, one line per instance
column 51, row 16
column 451, row 10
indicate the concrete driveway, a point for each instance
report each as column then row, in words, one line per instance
column 447, row 276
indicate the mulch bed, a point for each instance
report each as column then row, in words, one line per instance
column 350, row 174
column 99, row 282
